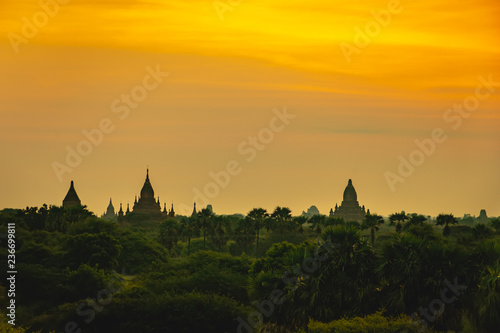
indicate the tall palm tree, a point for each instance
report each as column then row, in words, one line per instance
column 205, row 216
column 333, row 221
column 244, row 233
column 316, row 222
column 169, row 232
column 217, row 231
column 342, row 284
column 485, row 314
column 446, row 220
column 416, row 219
column 298, row 222
column 282, row 217
column 414, row 270
column 189, row 228
column 258, row 216
column 372, row 221
column 398, row 218
column 483, row 308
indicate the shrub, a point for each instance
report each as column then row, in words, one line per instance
column 374, row 323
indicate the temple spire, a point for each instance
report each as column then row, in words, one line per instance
column 120, row 214
column 349, row 209
column 172, row 213
column 71, row 198
column 194, row 210
column 110, row 211
column 146, row 202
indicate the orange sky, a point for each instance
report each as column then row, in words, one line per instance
column 354, row 119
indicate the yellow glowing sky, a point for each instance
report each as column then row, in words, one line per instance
column 353, row 119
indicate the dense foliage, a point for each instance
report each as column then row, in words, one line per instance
column 263, row 272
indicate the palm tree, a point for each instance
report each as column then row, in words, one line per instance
column 244, row 233
column 398, row 218
column 342, row 284
column 316, row 222
column 333, row 221
column 484, row 312
column 372, row 222
column 481, row 231
column 217, row 231
column 299, row 221
column 485, row 301
column 282, row 217
column 495, row 223
column 401, row 272
column 416, row 219
column 413, row 270
column 446, row 219
column 189, row 228
column 56, row 220
column 258, row 216
column 169, row 233
column 204, row 216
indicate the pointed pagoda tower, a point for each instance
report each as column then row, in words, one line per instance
column 71, row 199
column 194, row 213
column 110, row 212
column 171, row 213
column 120, row 215
column 147, row 202
column 349, row 209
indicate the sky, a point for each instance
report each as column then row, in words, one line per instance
column 252, row 103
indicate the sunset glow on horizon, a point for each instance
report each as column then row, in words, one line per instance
column 413, row 68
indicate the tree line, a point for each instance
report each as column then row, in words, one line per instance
column 295, row 274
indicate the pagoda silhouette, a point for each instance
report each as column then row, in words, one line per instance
column 349, row 209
